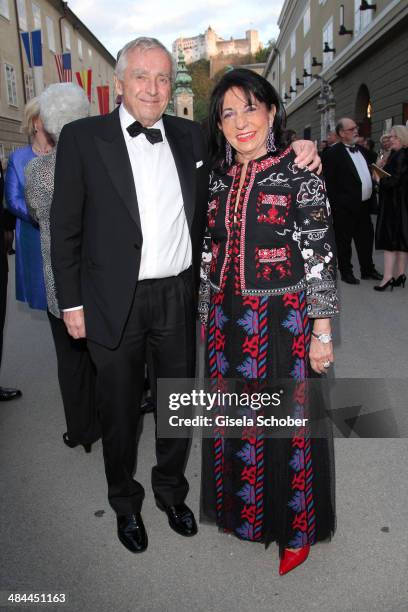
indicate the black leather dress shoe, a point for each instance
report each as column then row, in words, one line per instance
column 350, row 279
column 373, row 275
column 9, row 394
column 181, row 518
column 132, row 532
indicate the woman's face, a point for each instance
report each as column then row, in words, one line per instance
column 395, row 142
column 386, row 143
column 244, row 125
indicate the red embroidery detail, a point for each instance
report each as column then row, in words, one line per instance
column 249, row 473
column 272, row 209
column 251, row 301
column 298, row 481
column 219, row 340
column 298, row 442
column 273, row 264
column 215, row 249
column 298, row 346
column 300, row 521
column 212, row 211
column 251, row 345
column 248, row 513
column 291, row 300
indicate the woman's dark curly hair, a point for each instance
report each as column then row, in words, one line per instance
column 252, row 85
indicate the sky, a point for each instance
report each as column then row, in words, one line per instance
column 166, row 20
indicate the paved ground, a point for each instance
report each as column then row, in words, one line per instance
column 58, row 533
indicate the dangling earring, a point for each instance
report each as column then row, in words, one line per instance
column 228, row 153
column 270, row 141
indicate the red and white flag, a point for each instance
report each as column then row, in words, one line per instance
column 63, row 62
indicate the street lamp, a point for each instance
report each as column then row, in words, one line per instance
column 343, row 30
column 365, row 6
column 328, row 49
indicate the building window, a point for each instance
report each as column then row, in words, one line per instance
column 307, row 65
column 50, row 33
column 293, row 83
column 80, row 51
column 284, row 92
column 306, row 21
column 36, row 16
column 322, row 2
column 29, row 86
column 283, row 61
column 361, row 18
column 4, row 9
column 67, row 38
column 328, row 38
column 293, row 44
column 11, row 84
column 22, row 14
column 90, row 54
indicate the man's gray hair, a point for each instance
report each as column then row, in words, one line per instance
column 143, row 43
column 62, row 103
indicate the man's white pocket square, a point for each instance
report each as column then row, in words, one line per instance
column 199, row 164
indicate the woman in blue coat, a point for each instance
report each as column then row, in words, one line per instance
column 30, row 286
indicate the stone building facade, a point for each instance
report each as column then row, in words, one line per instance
column 209, row 45
column 61, row 32
column 336, row 59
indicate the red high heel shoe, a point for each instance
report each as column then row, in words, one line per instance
column 291, row 559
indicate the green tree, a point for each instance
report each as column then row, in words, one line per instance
column 202, row 86
column 263, row 54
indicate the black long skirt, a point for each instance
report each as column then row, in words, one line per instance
column 258, row 488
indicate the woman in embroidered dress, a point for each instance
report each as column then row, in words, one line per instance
column 268, row 294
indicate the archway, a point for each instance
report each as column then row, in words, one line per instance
column 363, row 111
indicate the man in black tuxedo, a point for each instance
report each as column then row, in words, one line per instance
column 127, row 222
column 7, row 225
column 350, row 190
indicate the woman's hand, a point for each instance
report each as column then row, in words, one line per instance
column 307, row 155
column 320, row 354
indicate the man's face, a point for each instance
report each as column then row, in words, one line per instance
column 146, row 85
column 349, row 133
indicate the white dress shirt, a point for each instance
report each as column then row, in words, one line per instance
column 363, row 172
column 166, row 249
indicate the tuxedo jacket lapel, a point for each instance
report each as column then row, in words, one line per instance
column 182, row 148
column 113, row 151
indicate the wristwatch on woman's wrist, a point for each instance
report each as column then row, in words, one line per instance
column 323, row 338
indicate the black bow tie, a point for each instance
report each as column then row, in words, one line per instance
column 153, row 135
column 353, row 149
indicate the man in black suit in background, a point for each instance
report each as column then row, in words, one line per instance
column 7, row 225
column 350, row 190
column 126, row 228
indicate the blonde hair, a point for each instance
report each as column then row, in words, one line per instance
column 402, row 133
column 384, row 136
column 31, row 112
